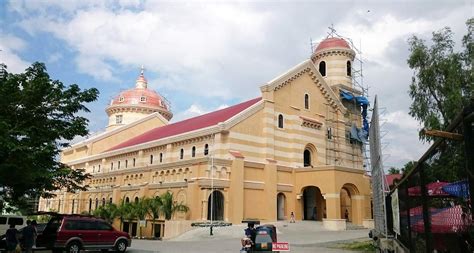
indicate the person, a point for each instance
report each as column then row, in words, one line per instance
column 11, row 238
column 292, row 217
column 29, row 236
column 250, row 233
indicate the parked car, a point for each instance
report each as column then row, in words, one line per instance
column 75, row 232
column 265, row 236
column 6, row 220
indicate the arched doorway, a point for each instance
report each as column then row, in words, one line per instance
column 346, row 205
column 314, row 204
column 281, row 203
column 216, row 199
column 348, row 191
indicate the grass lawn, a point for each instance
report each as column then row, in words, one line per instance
column 362, row 246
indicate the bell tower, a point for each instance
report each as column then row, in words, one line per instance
column 333, row 58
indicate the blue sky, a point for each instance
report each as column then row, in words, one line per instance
column 202, row 55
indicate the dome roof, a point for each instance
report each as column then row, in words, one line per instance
column 142, row 97
column 332, row 43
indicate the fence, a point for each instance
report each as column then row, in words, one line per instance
column 377, row 173
column 431, row 206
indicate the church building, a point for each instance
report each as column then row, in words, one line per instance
column 292, row 149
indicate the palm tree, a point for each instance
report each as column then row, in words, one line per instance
column 169, row 206
column 124, row 212
column 154, row 210
column 140, row 210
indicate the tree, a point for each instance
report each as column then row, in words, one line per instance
column 442, row 85
column 125, row 212
column 154, row 212
column 140, row 209
column 443, row 81
column 393, row 170
column 408, row 167
column 38, row 117
column 108, row 212
column 169, row 206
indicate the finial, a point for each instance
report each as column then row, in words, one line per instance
column 332, row 31
column 142, row 70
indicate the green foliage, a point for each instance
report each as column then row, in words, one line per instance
column 108, row 212
column 393, row 170
column 169, row 206
column 443, row 81
column 38, row 117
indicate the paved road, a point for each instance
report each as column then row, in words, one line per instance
column 304, row 237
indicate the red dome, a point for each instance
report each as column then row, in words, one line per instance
column 332, row 43
column 140, row 97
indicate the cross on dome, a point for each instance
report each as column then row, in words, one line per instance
column 141, row 81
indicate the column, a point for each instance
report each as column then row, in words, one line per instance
column 333, row 211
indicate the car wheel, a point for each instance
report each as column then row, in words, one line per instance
column 73, row 247
column 121, row 246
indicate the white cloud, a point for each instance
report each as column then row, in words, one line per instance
column 195, row 110
column 54, row 57
column 11, row 46
column 402, row 120
column 215, row 49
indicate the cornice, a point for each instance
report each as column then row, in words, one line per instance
column 112, row 132
column 333, row 51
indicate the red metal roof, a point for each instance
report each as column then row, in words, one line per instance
column 332, row 43
column 392, row 177
column 188, row 125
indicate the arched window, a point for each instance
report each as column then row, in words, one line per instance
column 73, row 202
column 136, row 199
column 306, row 101
column 118, row 165
column 280, row 121
column 161, row 157
column 110, row 200
column 103, row 201
column 127, row 200
column 206, row 149
column 307, row 158
column 90, row 205
column 126, row 163
column 322, row 68
column 151, row 159
column 96, row 203
column 111, row 166
column 134, row 162
column 193, row 151
column 349, row 69
column 181, row 154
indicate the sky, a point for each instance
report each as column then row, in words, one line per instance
column 205, row 55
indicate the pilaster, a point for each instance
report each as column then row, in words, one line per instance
column 236, row 190
column 270, row 190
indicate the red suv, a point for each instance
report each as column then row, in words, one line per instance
column 75, row 232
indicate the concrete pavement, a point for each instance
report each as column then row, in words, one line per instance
column 303, row 236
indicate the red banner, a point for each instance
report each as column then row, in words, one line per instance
column 280, row 246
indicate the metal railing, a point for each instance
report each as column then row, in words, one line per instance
column 431, row 206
